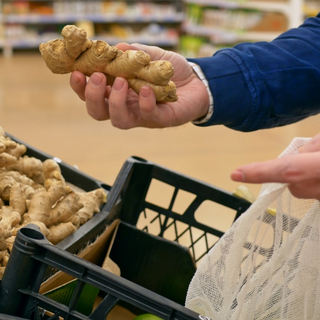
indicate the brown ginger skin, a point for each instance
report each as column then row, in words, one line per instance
column 91, row 202
column 76, row 52
column 35, row 191
column 29, row 166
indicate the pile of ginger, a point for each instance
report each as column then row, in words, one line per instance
column 34, row 191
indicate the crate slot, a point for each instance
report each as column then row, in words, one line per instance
column 216, row 215
column 183, row 200
column 160, row 193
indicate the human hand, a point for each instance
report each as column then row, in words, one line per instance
column 126, row 109
column 301, row 171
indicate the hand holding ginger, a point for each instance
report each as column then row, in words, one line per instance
column 125, row 109
column 77, row 53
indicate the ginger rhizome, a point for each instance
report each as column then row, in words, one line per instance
column 35, row 191
column 76, row 52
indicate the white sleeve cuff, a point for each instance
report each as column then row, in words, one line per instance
column 202, row 77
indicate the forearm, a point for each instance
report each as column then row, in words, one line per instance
column 262, row 85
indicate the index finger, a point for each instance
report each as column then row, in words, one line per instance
column 290, row 169
column 78, row 84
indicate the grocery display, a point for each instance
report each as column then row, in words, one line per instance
column 36, row 188
column 216, row 24
column 26, row 24
column 76, row 52
column 156, row 246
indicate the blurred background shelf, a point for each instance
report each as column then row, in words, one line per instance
column 280, row 6
column 29, row 41
column 192, row 27
column 213, row 24
column 25, row 24
column 96, row 18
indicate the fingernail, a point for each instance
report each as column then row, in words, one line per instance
column 238, row 176
column 144, row 92
column 118, row 84
column 96, row 79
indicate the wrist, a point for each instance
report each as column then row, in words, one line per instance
column 208, row 106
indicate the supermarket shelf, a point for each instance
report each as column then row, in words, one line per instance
column 61, row 18
column 29, row 23
column 292, row 9
column 276, row 6
column 212, row 24
column 33, row 43
column 224, row 36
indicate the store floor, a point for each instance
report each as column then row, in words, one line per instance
column 40, row 108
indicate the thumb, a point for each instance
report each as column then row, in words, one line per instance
column 126, row 46
column 155, row 53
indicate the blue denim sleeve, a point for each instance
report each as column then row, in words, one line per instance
column 266, row 84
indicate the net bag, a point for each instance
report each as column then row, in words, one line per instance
column 266, row 266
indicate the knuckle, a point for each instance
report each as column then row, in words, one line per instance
column 92, row 97
column 289, row 172
column 290, row 175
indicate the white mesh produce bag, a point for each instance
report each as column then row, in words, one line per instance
column 267, row 265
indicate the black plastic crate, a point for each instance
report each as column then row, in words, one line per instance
column 129, row 200
column 32, row 253
column 74, row 176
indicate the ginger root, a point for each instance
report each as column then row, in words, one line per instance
column 76, row 52
column 35, row 191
